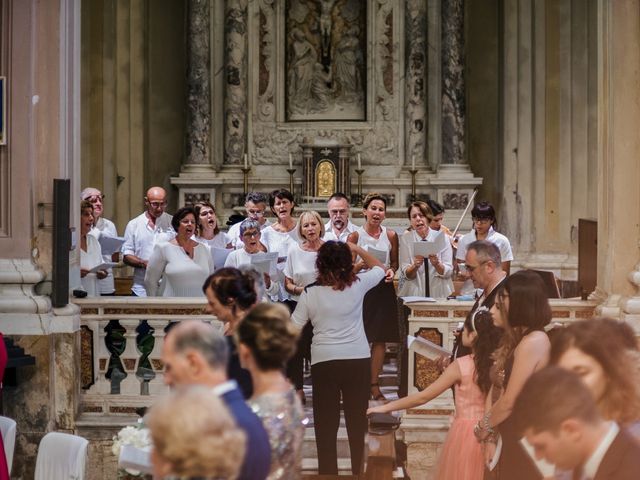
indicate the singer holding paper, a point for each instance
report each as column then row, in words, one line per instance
column 90, row 252
column 414, row 265
column 209, row 233
column 380, row 313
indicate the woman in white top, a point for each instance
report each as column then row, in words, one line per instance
column 300, row 271
column 250, row 235
column 380, row 304
column 208, row 231
column 484, row 218
column 412, row 267
column 182, row 263
column 90, row 252
column 340, row 362
column 281, row 234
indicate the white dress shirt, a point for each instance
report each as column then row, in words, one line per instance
column 329, row 233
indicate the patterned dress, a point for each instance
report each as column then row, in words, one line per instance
column 283, row 419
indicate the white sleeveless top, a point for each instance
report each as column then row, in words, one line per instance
column 382, row 243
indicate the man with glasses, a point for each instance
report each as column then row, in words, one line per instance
column 339, row 226
column 484, row 264
column 102, row 226
column 255, row 205
column 143, row 232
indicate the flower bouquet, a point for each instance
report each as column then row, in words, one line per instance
column 132, row 446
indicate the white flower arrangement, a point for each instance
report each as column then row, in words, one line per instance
column 136, row 436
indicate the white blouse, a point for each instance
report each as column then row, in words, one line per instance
column 181, row 275
column 90, row 259
column 300, row 267
column 279, row 242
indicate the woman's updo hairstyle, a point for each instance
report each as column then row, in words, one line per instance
column 335, row 265
column 371, row 197
column 487, row 341
column 269, row 334
column 232, row 287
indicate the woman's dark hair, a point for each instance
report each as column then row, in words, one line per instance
column 85, row 204
column 180, row 214
column 232, row 287
column 282, row 194
column 484, row 210
column 268, row 332
column 612, row 344
column 484, row 346
column 197, row 209
column 529, row 310
column 423, row 207
column 335, row 265
column 371, row 197
column 435, row 207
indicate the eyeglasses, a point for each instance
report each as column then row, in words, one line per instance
column 483, row 220
column 95, row 198
column 471, row 268
column 256, row 213
column 337, row 212
column 157, row 204
column 251, row 234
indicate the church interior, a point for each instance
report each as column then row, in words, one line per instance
column 529, row 105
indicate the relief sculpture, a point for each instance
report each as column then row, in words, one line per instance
column 325, row 60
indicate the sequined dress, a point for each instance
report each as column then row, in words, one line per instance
column 284, row 420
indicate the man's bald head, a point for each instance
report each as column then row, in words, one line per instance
column 156, row 201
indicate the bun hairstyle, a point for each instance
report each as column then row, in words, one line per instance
column 371, row 197
column 269, row 334
column 487, row 341
column 335, row 265
column 232, row 287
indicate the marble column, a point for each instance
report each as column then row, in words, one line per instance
column 198, row 87
column 415, row 87
column 235, row 105
column 453, row 88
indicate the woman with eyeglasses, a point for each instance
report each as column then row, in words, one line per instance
column 484, row 220
column 251, row 235
column 178, row 268
column 90, row 252
column 522, row 311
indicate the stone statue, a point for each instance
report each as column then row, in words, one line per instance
column 326, row 6
column 301, row 72
column 348, row 59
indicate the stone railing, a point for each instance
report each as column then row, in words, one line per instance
column 121, row 342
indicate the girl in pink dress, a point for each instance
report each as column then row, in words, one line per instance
column 461, row 457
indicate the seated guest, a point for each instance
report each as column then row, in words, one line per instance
column 143, row 232
column 251, row 234
column 90, row 252
column 101, row 225
column 560, row 419
column 255, row 205
column 208, row 230
column 194, row 435
column 194, row 353
column 182, row 263
column 604, row 354
column 266, row 340
column 416, row 270
column 340, row 357
column 231, row 294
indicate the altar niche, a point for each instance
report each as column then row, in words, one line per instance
column 325, row 66
column 325, row 170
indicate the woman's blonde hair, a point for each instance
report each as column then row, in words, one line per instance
column 310, row 213
column 195, row 434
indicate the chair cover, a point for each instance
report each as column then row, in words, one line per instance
column 8, row 431
column 61, row 457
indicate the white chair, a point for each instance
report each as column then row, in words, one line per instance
column 8, row 430
column 61, row 457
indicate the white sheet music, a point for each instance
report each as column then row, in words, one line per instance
column 427, row 248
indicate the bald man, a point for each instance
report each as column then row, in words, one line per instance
column 143, row 232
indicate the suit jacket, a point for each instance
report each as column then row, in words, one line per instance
column 622, row 460
column 257, row 458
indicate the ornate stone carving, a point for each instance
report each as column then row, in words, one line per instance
column 415, row 88
column 455, row 201
column 235, row 104
column 267, row 64
column 453, row 95
column 198, row 84
column 386, row 48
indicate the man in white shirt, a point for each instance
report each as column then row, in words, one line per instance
column 102, row 226
column 561, row 421
column 143, row 232
column 339, row 226
column 255, row 205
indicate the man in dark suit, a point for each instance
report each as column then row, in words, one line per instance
column 560, row 419
column 194, row 353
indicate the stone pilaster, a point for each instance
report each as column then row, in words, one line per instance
column 453, row 88
column 236, row 81
column 198, row 87
column 415, row 87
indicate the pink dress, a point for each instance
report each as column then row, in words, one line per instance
column 461, row 457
